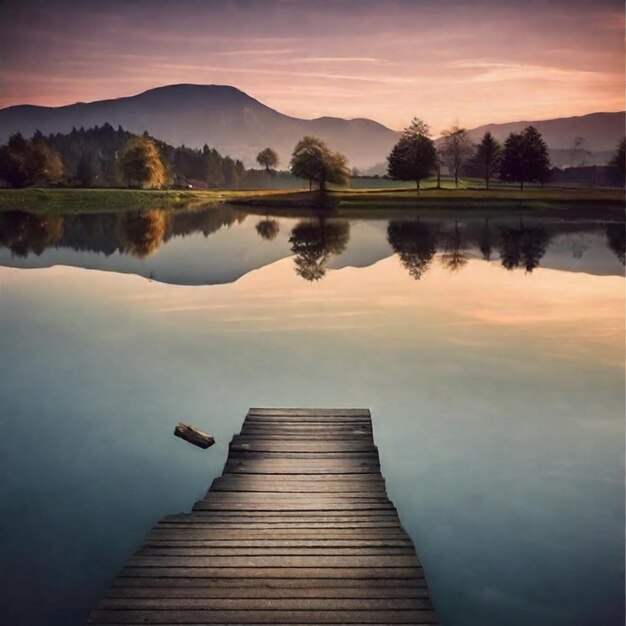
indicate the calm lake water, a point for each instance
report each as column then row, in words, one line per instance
column 490, row 350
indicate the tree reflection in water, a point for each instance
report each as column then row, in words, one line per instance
column 141, row 234
column 523, row 246
column 268, row 229
column 616, row 238
column 415, row 242
column 313, row 243
column 26, row 233
column 454, row 245
column 485, row 241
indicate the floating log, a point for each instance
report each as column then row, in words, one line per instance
column 194, row 436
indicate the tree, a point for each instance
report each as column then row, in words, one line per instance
column 456, row 150
column 29, row 162
column 487, row 157
column 525, row 157
column 618, row 162
column 268, row 159
column 414, row 156
column 415, row 243
column 312, row 159
column 86, row 169
column 141, row 162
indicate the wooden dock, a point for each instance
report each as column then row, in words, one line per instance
column 297, row 530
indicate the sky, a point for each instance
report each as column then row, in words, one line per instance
column 461, row 61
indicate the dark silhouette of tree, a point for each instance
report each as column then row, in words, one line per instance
column 487, row 157
column 313, row 243
column 268, row 159
column 141, row 234
column 29, row 162
column 485, row 242
column 456, row 150
column 525, row 158
column 25, row 233
column 414, row 156
column 141, row 162
column 618, row 161
column 616, row 238
column 523, row 246
column 454, row 258
column 86, row 169
column 313, row 160
column 268, row 229
column 415, row 243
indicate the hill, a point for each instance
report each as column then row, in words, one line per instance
column 224, row 117
column 236, row 124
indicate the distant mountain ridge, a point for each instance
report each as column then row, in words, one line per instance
column 221, row 116
column 237, row 124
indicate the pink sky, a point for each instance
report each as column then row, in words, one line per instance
column 470, row 61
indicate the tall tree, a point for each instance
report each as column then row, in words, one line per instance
column 487, row 157
column 456, row 150
column 313, row 160
column 268, row 159
column 140, row 162
column 414, row 156
column 525, row 157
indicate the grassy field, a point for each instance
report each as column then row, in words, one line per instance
column 83, row 200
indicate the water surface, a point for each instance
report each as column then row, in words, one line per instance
column 489, row 348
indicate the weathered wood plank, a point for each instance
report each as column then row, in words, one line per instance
column 373, row 592
column 298, row 530
column 261, row 617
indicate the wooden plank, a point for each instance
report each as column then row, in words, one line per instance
column 286, row 412
column 372, row 585
column 261, row 617
column 273, row 572
column 298, row 530
column 264, row 604
column 270, row 592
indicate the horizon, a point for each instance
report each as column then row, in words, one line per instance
column 483, row 62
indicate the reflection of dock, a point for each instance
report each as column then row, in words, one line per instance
column 297, row 530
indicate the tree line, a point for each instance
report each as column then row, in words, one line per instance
column 103, row 156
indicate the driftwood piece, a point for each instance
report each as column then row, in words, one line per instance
column 194, row 436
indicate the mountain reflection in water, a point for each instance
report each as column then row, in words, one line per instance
column 142, row 242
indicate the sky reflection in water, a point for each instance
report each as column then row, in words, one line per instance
column 497, row 396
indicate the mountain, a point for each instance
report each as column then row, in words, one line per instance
column 223, row 117
column 601, row 131
column 238, row 125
